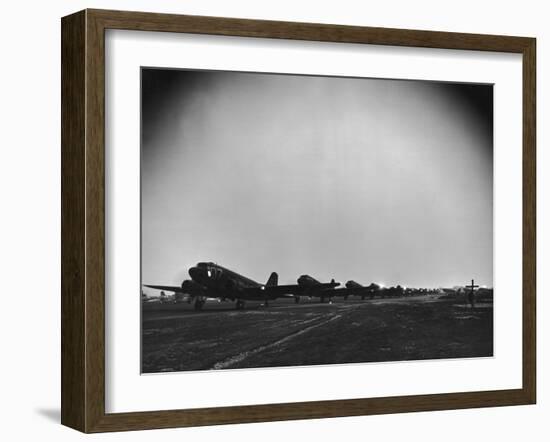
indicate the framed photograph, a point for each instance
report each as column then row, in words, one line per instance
column 268, row 220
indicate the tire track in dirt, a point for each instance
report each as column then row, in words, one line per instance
column 232, row 360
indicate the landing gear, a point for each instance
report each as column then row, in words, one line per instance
column 240, row 304
column 198, row 304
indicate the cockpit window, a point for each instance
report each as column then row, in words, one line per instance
column 212, row 271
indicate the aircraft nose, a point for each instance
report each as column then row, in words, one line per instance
column 195, row 273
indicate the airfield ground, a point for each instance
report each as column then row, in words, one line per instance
column 176, row 338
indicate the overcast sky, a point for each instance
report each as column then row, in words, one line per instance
column 372, row 180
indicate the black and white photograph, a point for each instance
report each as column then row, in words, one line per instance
column 299, row 220
column 273, row 221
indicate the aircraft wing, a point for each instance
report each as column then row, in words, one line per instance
column 282, row 290
column 342, row 292
column 300, row 290
column 292, row 290
column 268, row 293
column 168, row 288
column 354, row 291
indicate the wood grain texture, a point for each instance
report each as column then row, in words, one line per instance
column 83, row 219
column 145, row 21
column 529, row 220
column 73, row 125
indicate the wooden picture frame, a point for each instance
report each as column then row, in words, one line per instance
column 83, row 219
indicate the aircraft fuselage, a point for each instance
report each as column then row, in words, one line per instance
column 224, row 283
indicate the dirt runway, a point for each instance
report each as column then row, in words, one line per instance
column 176, row 338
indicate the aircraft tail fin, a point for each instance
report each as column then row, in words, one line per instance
column 273, row 280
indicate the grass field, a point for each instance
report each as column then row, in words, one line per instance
column 176, row 338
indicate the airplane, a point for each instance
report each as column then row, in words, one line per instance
column 310, row 287
column 356, row 289
column 146, row 298
column 209, row 280
column 169, row 299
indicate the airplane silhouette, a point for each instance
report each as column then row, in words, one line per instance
column 355, row 289
column 310, row 287
column 210, row 280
